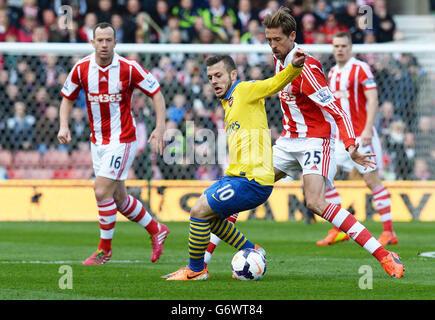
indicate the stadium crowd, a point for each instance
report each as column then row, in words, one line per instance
column 30, row 85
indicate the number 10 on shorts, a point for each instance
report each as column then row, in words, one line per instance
column 225, row 193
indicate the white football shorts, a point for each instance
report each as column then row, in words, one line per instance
column 113, row 160
column 311, row 155
column 345, row 161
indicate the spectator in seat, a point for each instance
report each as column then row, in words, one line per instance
column 322, row 11
column 271, row 7
column 245, row 14
column 80, row 130
column 174, row 24
column 5, row 26
column 395, row 144
column 12, row 95
column 85, row 33
column 104, row 11
column 385, row 118
column 4, row 81
column 28, row 24
column 46, row 131
column 383, row 23
column 38, row 102
column 118, row 23
column 29, row 83
column 308, row 28
column 178, row 108
column 331, row 27
column 228, row 30
column 187, row 14
column 348, row 16
column 20, row 128
column 161, row 14
column 213, row 15
column 320, row 38
column 358, row 30
column 130, row 26
column 425, row 137
column 421, row 170
column 369, row 37
column 39, row 35
column 49, row 23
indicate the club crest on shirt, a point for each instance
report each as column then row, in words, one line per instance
column 324, row 95
column 230, row 101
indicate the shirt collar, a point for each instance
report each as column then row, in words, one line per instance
column 232, row 89
column 114, row 63
column 347, row 64
column 288, row 60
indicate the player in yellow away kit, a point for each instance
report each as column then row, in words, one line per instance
column 248, row 182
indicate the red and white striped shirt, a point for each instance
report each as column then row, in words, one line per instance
column 309, row 107
column 348, row 85
column 109, row 92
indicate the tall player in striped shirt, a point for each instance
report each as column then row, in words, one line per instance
column 108, row 81
column 311, row 115
column 353, row 84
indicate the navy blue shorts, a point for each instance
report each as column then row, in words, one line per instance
column 230, row 195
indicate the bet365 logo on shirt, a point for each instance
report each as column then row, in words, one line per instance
column 286, row 93
column 114, row 97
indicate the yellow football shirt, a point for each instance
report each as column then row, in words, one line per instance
column 248, row 135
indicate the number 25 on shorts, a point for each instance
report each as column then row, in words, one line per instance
column 312, row 158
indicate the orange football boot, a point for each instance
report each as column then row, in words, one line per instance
column 388, row 237
column 392, row 265
column 186, row 274
column 334, row 236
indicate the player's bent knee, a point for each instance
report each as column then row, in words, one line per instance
column 316, row 205
column 201, row 209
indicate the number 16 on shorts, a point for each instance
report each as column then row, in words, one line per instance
column 113, row 160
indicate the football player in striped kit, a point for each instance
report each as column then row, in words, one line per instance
column 311, row 116
column 353, row 84
column 108, row 81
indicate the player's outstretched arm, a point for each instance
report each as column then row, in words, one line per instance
column 64, row 135
column 157, row 136
column 266, row 88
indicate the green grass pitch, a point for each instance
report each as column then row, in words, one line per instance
column 32, row 253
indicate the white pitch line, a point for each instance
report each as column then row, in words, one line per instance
column 430, row 254
column 63, row 261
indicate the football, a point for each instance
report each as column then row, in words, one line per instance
column 248, row 264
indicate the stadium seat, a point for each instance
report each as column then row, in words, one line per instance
column 81, row 158
column 26, row 159
column 56, row 158
column 6, row 158
column 62, row 173
column 31, row 173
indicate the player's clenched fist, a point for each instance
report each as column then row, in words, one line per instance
column 299, row 57
column 64, row 136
